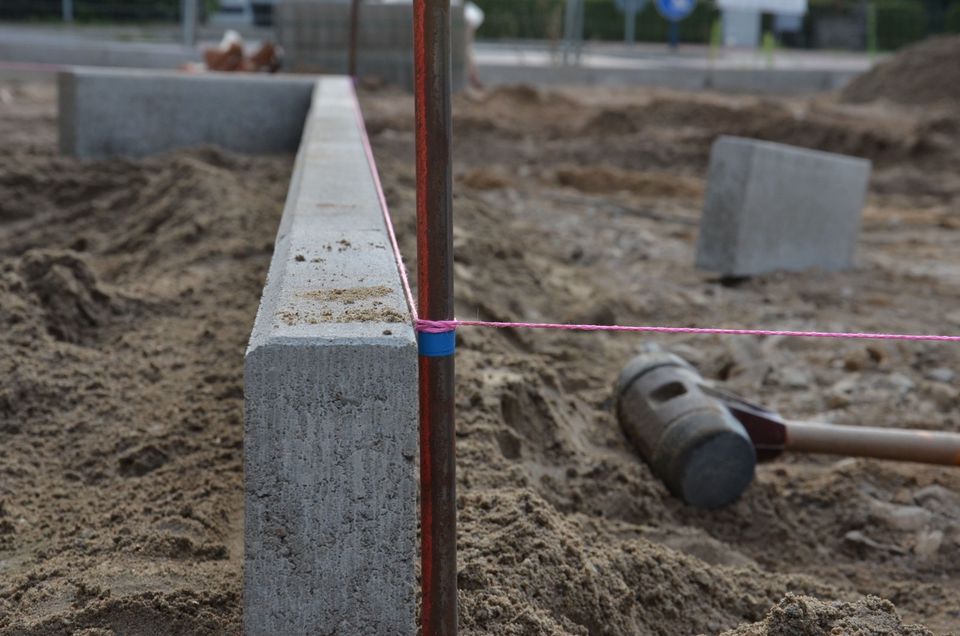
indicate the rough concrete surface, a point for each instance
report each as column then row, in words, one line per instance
column 110, row 112
column 331, row 404
column 773, row 207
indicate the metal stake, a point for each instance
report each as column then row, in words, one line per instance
column 431, row 25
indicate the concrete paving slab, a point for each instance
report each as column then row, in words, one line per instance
column 136, row 112
column 89, row 47
column 772, row 207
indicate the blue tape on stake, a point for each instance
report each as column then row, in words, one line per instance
column 437, row 345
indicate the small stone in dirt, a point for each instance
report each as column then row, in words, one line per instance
column 840, row 394
column 904, row 518
column 855, row 537
column 805, row 616
column 140, row 461
column 941, row 375
column 928, row 543
column 898, row 382
column 936, row 496
column 793, row 378
column 944, row 395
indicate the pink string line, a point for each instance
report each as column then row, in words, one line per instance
column 387, row 219
column 444, row 326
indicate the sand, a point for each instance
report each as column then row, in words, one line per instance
column 924, row 74
column 581, row 206
column 128, row 288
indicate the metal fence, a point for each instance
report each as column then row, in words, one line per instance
column 99, row 11
column 136, row 20
column 829, row 24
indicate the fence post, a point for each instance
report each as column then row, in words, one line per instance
column 354, row 36
column 573, row 30
column 189, row 19
column 872, row 30
column 630, row 18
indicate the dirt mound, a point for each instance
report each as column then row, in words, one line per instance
column 605, row 179
column 568, row 574
column 805, row 616
column 813, row 127
column 924, row 74
column 66, row 291
column 521, row 108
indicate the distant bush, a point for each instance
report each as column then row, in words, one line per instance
column 952, row 22
column 127, row 11
column 900, row 23
column 521, row 19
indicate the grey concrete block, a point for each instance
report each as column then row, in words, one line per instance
column 28, row 44
column 774, row 207
column 109, row 112
column 331, row 404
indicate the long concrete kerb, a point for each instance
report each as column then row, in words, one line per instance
column 139, row 112
column 331, row 369
column 331, row 393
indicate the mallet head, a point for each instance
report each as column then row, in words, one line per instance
column 690, row 439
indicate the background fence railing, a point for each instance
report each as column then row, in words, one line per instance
column 100, row 11
column 829, row 24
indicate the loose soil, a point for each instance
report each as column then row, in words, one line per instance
column 128, row 288
column 924, row 74
column 582, row 206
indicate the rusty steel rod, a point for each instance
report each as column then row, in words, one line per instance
column 432, row 85
column 927, row 447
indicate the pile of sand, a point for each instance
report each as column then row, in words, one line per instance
column 924, row 74
column 805, row 616
column 127, row 292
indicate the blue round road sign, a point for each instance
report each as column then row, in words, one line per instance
column 675, row 10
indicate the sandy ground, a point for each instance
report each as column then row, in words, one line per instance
column 582, row 206
column 128, row 288
column 127, row 294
